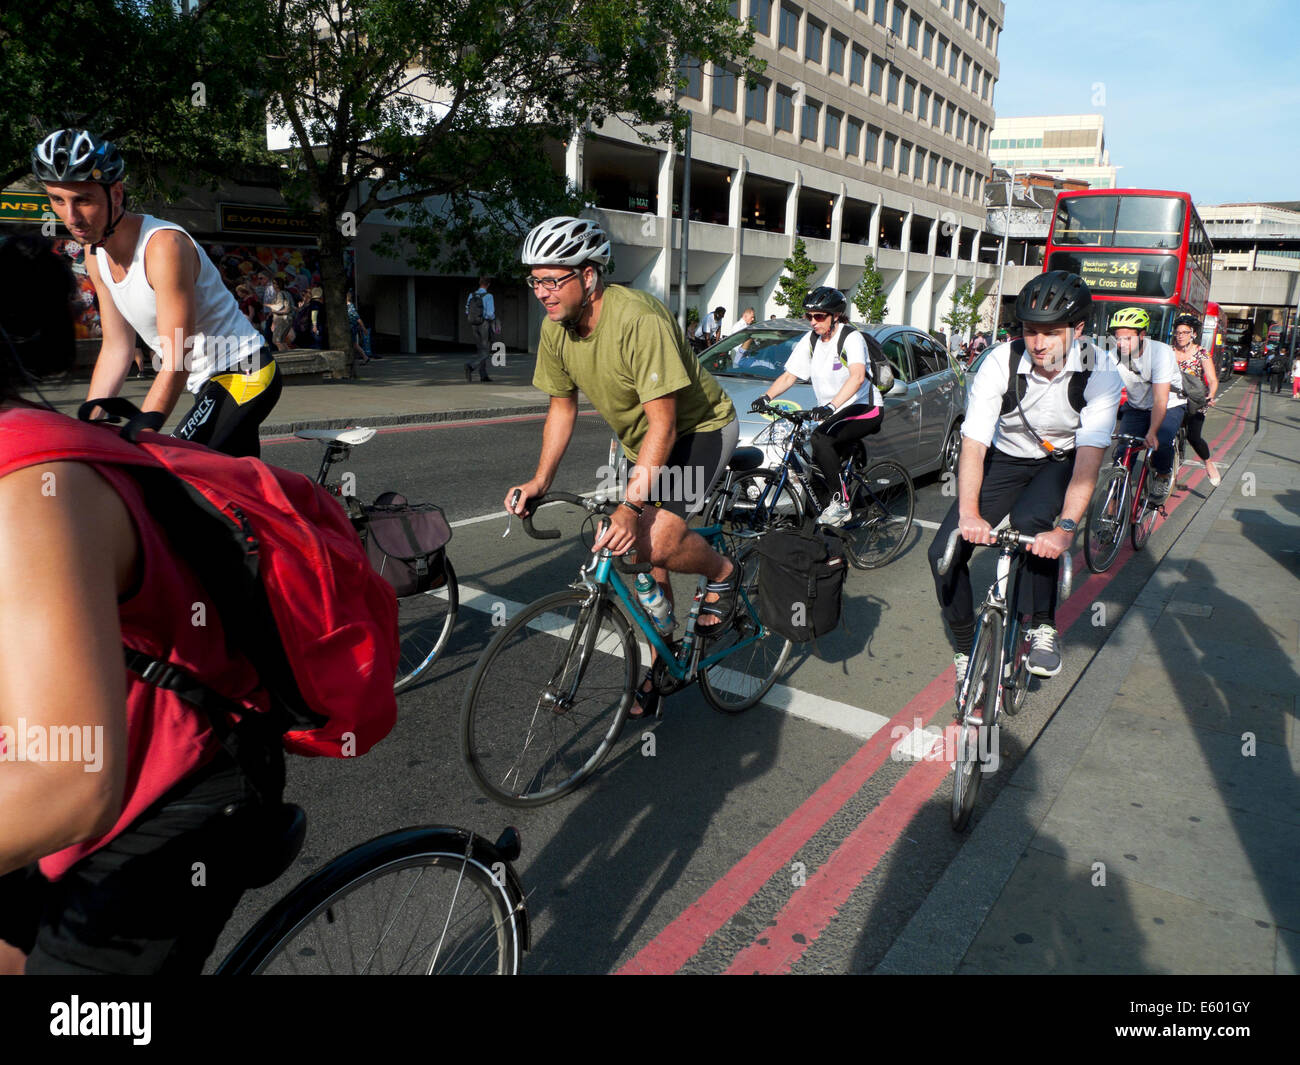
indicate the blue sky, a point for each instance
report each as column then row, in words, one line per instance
column 1201, row 97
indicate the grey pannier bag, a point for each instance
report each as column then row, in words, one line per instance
column 407, row 543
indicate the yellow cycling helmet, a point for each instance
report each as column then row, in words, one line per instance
column 1130, row 318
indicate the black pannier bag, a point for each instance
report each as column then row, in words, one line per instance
column 407, row 543
column 800, row 583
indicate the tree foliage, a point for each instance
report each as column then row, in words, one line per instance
column 869, row 296
column 177, row 92
column 965, row 313
column 795, row 283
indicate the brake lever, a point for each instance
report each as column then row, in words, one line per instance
column 510, row 514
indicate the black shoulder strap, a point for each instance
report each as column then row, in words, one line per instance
column 1015, row 390
column 842, row 339
column 1079, row 381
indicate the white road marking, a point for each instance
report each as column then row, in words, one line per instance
column 925, row 524
column 853, row 720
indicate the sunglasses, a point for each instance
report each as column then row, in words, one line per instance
column 817, row 316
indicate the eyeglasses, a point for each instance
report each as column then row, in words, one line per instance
column 816, row 316
column 549, row 284
column 1183, row 332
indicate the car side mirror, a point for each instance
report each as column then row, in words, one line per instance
column 899, row 388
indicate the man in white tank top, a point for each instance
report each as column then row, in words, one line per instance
column 152, row 279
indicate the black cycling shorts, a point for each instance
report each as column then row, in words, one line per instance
column 230, row 406
column 694, row 464
column 152, row 900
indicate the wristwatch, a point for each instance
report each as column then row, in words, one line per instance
column 1066, row 524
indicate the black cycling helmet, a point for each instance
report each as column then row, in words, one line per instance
column 826, row 299
column 1056, row 296
column 1189, row 320
column 69, row 155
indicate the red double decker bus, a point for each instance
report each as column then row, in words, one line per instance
column 1135, row 248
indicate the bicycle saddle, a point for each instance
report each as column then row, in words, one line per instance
column 337, row 436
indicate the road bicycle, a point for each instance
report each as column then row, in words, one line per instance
column 424, row 620
column 997, row 674
column 432, row 900
column 749, row 500
column 1122, row 504
column 551, row 692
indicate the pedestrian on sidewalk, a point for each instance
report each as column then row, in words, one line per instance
column 481, row 313
column 360, row 333
column 1194, row 360
column 1295, row 378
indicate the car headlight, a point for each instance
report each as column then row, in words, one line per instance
column 775, row 434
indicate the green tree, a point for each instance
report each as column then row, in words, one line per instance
column 965, row 313
column 869, row 296
column 176, row 92
column 443, row 114
column 794, row 283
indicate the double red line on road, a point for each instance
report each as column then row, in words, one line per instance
column 814, row 904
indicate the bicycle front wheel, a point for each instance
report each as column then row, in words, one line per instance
column 424, row 624
column 1104, row 524
column 747, row 674
column 883, row 503
column 1145, row 511
column 756, row 502
column 548, row 698
column 427, row 901
column 977, row 718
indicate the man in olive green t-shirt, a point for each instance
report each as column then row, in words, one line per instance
column 623, row 349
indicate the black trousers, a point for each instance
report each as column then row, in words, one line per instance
column 834, row 439
column 1032, row 492
column 1194, row 423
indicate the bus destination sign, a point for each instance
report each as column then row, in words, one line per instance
column 1107, row 273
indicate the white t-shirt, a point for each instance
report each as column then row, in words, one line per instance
column 824, row 369
column 1046, row 404
column 740, row 324
column 1156, row 365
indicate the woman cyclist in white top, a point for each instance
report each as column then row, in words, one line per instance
column 849, row 404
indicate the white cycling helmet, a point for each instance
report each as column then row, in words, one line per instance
column 565, row 241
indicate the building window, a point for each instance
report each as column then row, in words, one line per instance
column 970, row 16
column 784, row 109
column 923, row 107
column 970, row 132
column 859, row 5
column 936, row 114
column 835, row 57
column 857, row 66
column 894, row 79
column 941, row 52
column 909, row 95
column 724, row 89
column 877, row 76
column 887, row 157
column 689, row 68
column 927, row 42
column 975, row 79
column 965, row 185
column 956, row 10
column 914, row 31
column 808, row 124
column 904, row 158
column 988, row 78
column 756, row 102
column 812, row 41
column 873, row 140
column 760, row 14
column 948, row 119
column 953, row 56
column 896, row 23
column 933, row 168
column 961, row 124
column 947, row 174
column 852, row 135
column 878, row 15
column 918, row 166
column 979, row 142
column 788, row 36
column 832, row 137
column 965, row 70
column 979, row 26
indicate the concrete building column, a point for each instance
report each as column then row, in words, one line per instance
column 792, row 208
column 837, row 236
column 406, row 315
column 573, row 158
column 975, row 246
column 730, row 291
column 660, row 283
column 932, row 242
column 954, row 252
column 873, row 234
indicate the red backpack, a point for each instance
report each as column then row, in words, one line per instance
column 279, row 558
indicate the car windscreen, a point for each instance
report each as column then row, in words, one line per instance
column 755, row 354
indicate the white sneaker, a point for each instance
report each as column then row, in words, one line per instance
column 1044, row 659
column 836, row 514
column 1160, row 485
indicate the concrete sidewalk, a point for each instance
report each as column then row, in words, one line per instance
column 1154, row 825
column 394, row 390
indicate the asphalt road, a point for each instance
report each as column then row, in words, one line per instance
column 702, row 830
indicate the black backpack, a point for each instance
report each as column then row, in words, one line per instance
column 474, row 308
column 800, row 582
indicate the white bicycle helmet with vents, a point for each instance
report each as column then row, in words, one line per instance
column 565, row 241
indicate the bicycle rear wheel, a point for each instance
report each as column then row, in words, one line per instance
column 1105, row 523
column 1015, row 694
column 1146, row 510
column 428, row 901
column 548, row 698
column 978, row 718
column 883, row 503
column 424, row 623
column 742, row 678
column 756, row 502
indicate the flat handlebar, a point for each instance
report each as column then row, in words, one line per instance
column 1009, row 538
